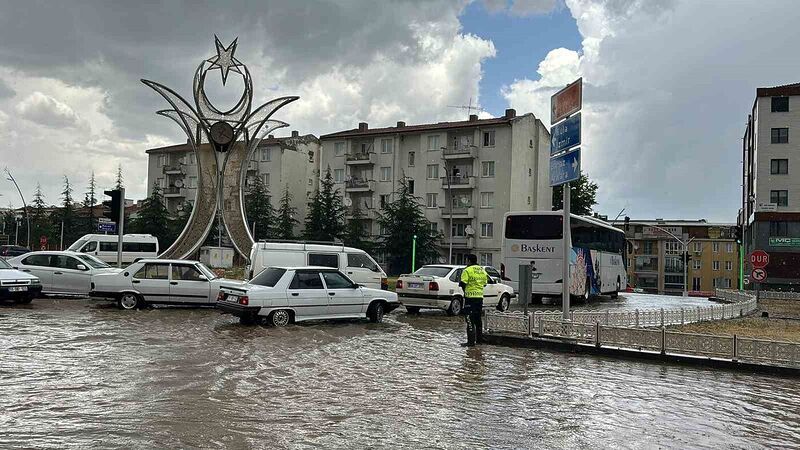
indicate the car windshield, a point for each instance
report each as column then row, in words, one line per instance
column 92, row 261
column 4, row 264
column 77, row 245
column 436, row 271
column 268, row 277
column 206, row 271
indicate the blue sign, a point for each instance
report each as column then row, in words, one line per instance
column 565, row 168
column 108, row 227
column 565, row 135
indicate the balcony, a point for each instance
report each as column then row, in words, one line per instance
column 358, row 185
column 173, row 192
column 460, row 212
column 458, row 241
column 174, row 170
column 252, row 166
column 360, row 158
column 460, row 152
column 458, row 182
column 366, row 213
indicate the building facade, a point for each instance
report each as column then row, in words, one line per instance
column 284, row 162
column 467, row 175
column 655, row 258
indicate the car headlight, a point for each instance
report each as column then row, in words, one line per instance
column 36, row 281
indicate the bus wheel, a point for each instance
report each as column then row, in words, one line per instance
column 536, row 299
column 615, row 294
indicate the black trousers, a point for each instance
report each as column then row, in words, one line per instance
column 473, row 308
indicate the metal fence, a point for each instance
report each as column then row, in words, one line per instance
column 780, row 295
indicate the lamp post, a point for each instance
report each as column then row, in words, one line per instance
column 413, row 253
column 27, row 216
column 450, row 206
column 685, row 245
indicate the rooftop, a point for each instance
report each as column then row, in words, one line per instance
column 675, row 223
column 785, row 89
column 269, row 140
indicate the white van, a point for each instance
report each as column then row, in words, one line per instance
column 356, row 263
column 104, row 247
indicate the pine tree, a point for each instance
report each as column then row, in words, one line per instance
column 401, row 219
column 40, row 222
column 582, row 196
column 119, row 184
column 66, row 222
column 355, row 233
column 285, row 221
column 259, row 211
column 325, row 221
column 153, row 218
column 89, row 200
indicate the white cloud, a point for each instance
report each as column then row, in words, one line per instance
column 46, row 110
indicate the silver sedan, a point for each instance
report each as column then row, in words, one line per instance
column 62, row 272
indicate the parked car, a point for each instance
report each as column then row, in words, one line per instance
column 10, row 251
column 159, row 281
column 17, row 285
column 435, row 286
column 354, row 262
column 282, row 295
column 104, row 247
column 62, row 272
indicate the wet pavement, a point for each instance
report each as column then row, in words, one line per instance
column 78, row 374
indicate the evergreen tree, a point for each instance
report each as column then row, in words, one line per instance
column 154, row 219
column 285, row 221
column 401, row 219
column 119, row 184
column 582, row 196
column 178, row 223
column 89, row 200
column 326, row 212
column 355, row 233
column 259, row 211
column 9, row 226
column 66, row 219
column 40, row 222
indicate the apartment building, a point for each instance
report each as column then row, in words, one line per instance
column 655, row 257
column 280, row 162
column 467, row 174
column 770, row 213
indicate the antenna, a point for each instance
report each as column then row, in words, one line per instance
column 469, row 107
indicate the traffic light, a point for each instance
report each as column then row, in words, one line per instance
column 112, row 208
column 737, row 234
column 686, row 258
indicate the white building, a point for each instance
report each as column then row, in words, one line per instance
column 483, row 168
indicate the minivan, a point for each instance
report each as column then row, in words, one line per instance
column 104, row 247
column 356, row 263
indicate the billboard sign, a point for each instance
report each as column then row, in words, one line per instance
column 566, row 101
column 107, row 227
column 784, row 242
column 565, row 168
column 565, row 135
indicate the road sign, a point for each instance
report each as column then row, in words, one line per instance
column 107, row 227
column 759, row 259
column 759, row 275
column 565, row 168
column 565, row 135
column 43, row 243
column 566, row 101
column 746, row 281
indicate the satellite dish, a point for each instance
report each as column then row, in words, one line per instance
column 178, row 183
column 464, row 201
column 348, row 202
column 468, row 230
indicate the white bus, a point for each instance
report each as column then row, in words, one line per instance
column 104, row 247
column 534, row 238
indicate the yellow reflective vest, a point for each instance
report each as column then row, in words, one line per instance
column 475, row 278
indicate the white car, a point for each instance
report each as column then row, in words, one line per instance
column 16, row 285
column 436, row 286
column 62, row 272
column 282, row 295
column 159, row 281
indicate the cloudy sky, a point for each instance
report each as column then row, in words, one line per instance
column 668, row 83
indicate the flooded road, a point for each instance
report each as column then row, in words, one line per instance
column 77, row 374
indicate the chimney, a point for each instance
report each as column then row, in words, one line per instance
column 400, row 124
column 511, row 113
column 295, row 133
column 271, row 136
column 473, row 117
column 363, row 126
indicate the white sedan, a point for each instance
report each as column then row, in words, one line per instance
column 282, row 295
column 159, row 281
column 436, row 286
column 62, row 272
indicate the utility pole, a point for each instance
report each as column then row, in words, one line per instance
column 27, row 215
column 121, row 226
column 567, row 240
column 450, row 206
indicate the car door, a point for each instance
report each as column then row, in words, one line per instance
column 68, row 276
column 345, row 298
column 188, row 285
column 307, row 294
column 361, row 269
column 39, row 266
column 152, row 281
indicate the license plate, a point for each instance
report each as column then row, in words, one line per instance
column 18, row 289
column 415, row 285
column 233, row 298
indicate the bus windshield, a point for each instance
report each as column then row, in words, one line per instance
column 534, row 227
column 77, row 245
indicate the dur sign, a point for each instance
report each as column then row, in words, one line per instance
column 566, row 101
column 565, row 168
column 565, row 135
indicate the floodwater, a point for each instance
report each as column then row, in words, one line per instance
column 83, row 375
column 625, row 301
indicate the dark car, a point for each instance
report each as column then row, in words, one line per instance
column 8, row 251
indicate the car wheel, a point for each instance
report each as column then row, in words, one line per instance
column 129, row 301
column 412, row 309
column 455, row 307
column 280, row 318
column 375, row 312
column 25, row 301
column 504, row 304
column 615, row 294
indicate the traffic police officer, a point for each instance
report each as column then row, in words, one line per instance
column 473, row 280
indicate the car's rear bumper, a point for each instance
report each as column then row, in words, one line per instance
column 425, row 300
column 29, row 292
column 237, row 309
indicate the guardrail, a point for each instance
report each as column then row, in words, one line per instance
column 780, row 295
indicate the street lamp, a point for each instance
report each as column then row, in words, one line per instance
column 27, row 216
column 685, row 245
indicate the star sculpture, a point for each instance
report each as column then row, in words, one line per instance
column 224, row 61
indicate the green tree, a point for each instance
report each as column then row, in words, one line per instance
column 285, row 220
column 582, row 196
column 65, row 218
column 355, row 231
column 9, row 220
column 89, row 201
column 178, row 223
column 40, row 222
column 154, row 219
column 259, row 211
column 401, row 219
column 326, row 212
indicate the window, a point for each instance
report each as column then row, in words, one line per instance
column 487, row 231
column 108, row 246
column 90, row 247
column 310, row 156
column 338, row 149
column 780, row 104
column 335, row 280
column 487, row 169
column 152, row 272
column 162, row 160
column 386, row 174
column 434, row 227
column 715, row 265
column 779, row 166
column 486, row 259
column 728, row 265
column 306, row 280
column 488, row 138
column 37, row 260
column 362, row 261
column 411, row 159
column 387, row 145
column 698, row 247
column 696, row 265
column 265, row 179
column 487, row 199
column 780, row 198
column 193, row 182
column 778, row 229
column 185, row 273
column 727, row 283
column 696, row 284
column 268, row 277
column 410, row 186
column 459, row 230
column 715, row 247
column 323, row 259
column 65, row 262
column 338, row 175
column 433, row 171
column 384, row 199
column 433, row 143
column 492, row 272
column 729, row 247
column 430, row 200
column 266, row 154
column 534, row 227
column 780, row 135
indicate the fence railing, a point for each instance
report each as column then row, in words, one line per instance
column 780, row 295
